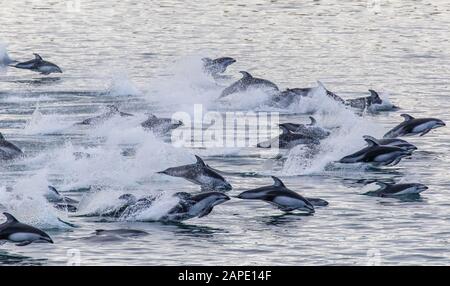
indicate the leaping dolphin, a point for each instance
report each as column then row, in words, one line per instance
column 8, row 150
column 39, row 65
column 310, row 130
column 288, row 139
column 201, row 174
column 393, row 190
column 247, row 81
column 21, row 234
column 413, row 126
column 377, row 154
column 160, row 125
column 282, row 197
column 217, row 66
column 392, row 142
column 112, row 111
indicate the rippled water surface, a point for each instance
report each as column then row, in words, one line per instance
column 145, row 56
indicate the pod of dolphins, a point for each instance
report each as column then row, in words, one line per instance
column 386, row 151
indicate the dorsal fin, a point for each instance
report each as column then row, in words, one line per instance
column 53, row 189
column 371, row 141
column 313, row 121
column 382, row 185
column 277, row 182
column 199, row 161
column 10, row 217
column 374, row 94
column 37, row 57
column 245, row 74
column 320, row 84
column 1, row 136
column 407, row 117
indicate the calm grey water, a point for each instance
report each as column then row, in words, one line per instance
column 145, row 55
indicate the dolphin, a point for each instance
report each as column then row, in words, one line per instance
column 288, row 139
column 160, row 125
column 21, row 234
column 288, row 96
column 392, row 190
column 8, row 150
column 188, row 206
column 53, row 196
column 198, row 205
column 311, row 129
column 247, row 81
column 393, row 142
column 365, row 102
column 413, row 126
column 331, row 94
column 112, row 110
column 59, row 201
column 377, row 155
column 217, row 66
column 280, row 196
column 121, row 232
column 124, row 201
column 39, row 65
column 201, row 174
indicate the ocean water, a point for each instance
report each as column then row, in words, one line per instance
column 145, row 57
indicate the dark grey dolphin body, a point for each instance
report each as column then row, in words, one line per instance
column 188, row 206
column 288, row 139
column 248, row 81
column 217, row 66
column 21, row 234
column 310, row 130
column 160, row 125
column 393, row 142
column 360, row 103
column 39, row 65
column 8, row 151
column 393, row 190
column 124, row 201
column 290, row 95
column 121, row 232
column 377, row 155
column 59, row 201
column 413, row 126
column 331, row 94
column 201, row 174
column 198, row 205
column 283, row 198
column 365, row 102
column 113, row 110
